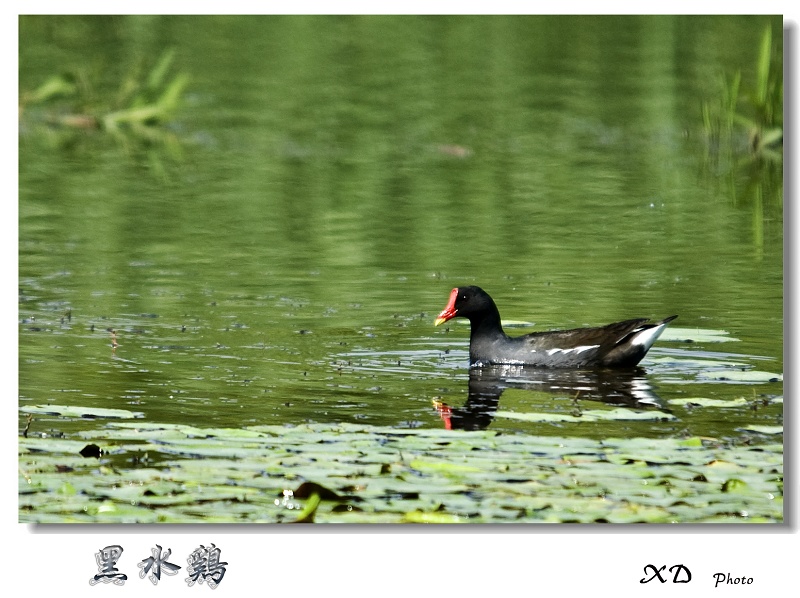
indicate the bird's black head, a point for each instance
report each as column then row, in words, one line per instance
column 466, row 302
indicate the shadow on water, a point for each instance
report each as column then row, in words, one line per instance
column 627, row 388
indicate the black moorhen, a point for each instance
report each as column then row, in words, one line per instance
column 618, row 345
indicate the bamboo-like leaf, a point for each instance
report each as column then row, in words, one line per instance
column 172, row 94
column 733, row 92
column 763, row 68
column 56, row 86
column 159, row 71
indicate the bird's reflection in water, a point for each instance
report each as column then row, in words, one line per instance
column 628, row 388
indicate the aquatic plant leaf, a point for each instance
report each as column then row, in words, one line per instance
column 771, row 136
column 697, row 363
column 732, row 375
column 589, row 416
column 168, row 102
column 427, row 517
column 51, row 445
column 433, row 477
column 696, row 335
column 763, row 67
column 703, row 402
column 55, row 86
column 159, row 71
column 764, row 429
column 77, row 411
column 694, row 441
column 442, row 466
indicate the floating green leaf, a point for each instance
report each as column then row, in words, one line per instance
column 78, row 411
column 741, row 376
column 589, row 416
column 765, row 429
column 443, row 466
column 696, row 335
column 423, row 517
column 363, row 474
column 703, row 402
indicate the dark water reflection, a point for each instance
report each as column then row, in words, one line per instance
column 629, row 388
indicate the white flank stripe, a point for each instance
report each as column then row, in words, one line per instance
column 585, row 348
column 579, row 350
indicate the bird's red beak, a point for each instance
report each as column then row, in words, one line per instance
column 448, row 312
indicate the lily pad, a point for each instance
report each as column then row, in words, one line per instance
column 703, row 402
column 754, row 376
column 421, row 517
column 696, row 335
column 765, row 429
column 389, row 475
column 77, row 411
column 443, row 466
column 592, row 415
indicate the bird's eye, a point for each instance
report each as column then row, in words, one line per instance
column 463, row 297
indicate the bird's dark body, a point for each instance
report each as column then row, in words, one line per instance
column 618, row 345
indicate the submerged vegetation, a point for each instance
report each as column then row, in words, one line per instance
column 749, row 121
column 743, row 130
column 67, row 105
